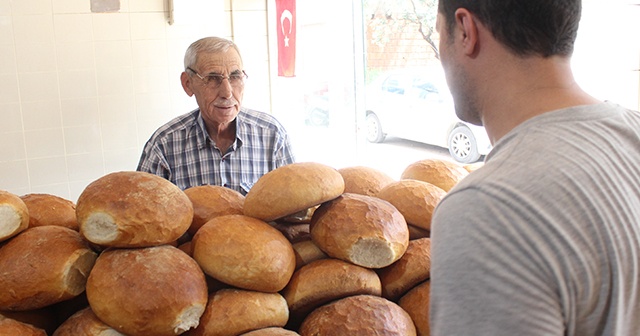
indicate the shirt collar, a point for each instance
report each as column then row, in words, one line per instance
column 203, row 136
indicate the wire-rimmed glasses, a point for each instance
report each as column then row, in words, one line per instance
column 213, row 80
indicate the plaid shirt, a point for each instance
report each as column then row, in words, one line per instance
column 182, row 152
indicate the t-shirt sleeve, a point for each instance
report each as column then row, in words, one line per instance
column 488, row 276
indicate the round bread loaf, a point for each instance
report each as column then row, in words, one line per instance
column 244, row 252
column 416, row 303
column 364, row 230
column 147, row 291
column 236, row 311
column 326, row 280
column 47, row 209
column 43, row 265
column 413, row 268
column 11, row 327
column 358, row 315
column 211, row 201
column 364, row 180
column 307, row 251
column 271, row 331
column 133, row 209
column 415, row 200
column 442, row 173
column 14, row 215
column 85, row 323
column 292, row 188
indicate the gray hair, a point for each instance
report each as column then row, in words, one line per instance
column 210, row 44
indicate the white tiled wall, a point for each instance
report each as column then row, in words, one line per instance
column 81, row 92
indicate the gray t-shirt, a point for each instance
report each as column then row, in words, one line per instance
column 544, row 239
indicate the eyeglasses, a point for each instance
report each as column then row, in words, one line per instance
column 236, row 78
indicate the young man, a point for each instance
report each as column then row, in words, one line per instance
column 220, row 143
column 544, row 239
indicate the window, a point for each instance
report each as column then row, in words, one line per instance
column 346, row 47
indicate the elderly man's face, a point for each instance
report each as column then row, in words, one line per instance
column 219, row 101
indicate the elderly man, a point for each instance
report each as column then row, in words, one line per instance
column 219, row 143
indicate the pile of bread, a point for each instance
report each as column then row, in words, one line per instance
column 310, row 250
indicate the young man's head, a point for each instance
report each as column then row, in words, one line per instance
column 486, row 46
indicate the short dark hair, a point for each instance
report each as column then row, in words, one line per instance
column 526, row 27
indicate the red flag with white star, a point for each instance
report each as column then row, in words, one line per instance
column 286, row 28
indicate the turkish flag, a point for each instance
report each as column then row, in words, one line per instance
column 286, row 27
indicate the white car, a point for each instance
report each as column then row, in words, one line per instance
column 415, row 104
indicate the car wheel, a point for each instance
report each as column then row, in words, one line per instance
column 462, row 145
column 374, row 129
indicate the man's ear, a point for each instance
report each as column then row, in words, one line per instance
column 467, row 27
column 186, row 83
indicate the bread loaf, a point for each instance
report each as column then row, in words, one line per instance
column 47, row 209
column 326, row 280
column 14, row 215
column 413, row 268
column 307, row 251
column 11, row 327
column 292, row 188
column 363, row 230
column 85, row 323
column 364, row 180
column 210, row 201
column 133, row 209
column 271, row 331
column 415, row 200
column 236, row 311
column 147, row 291
column 358, row 315
column 43, row 265
column 416, row 304
column 244, row 252
column 442, row 173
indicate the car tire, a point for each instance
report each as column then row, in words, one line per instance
column 463, row 146
column 374, row 129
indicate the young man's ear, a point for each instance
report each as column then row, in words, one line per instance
column 185, row 79
column 467, row 29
